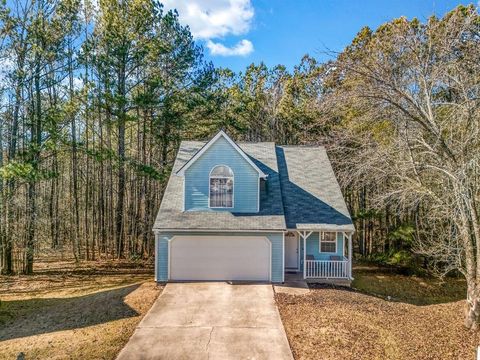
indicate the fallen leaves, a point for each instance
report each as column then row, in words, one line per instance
column 336, row 323
column 71, row 315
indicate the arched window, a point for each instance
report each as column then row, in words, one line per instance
column 221, row 187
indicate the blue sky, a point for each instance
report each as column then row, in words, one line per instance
column 236, row 33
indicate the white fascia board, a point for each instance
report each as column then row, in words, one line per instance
column 221, row 133
column 157, row 230
column 325, row 227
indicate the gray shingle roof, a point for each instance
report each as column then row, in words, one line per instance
column 302, row 193
column 312, row 199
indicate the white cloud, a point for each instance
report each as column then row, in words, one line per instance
column 6, row 67
column 77, row 83
column 214, row 19
column 209, row 19
column 242, row 48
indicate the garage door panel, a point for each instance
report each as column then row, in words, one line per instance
column 219, row 258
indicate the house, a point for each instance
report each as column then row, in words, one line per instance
column 252, row 211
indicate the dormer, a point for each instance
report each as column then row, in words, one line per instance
column 221, row 177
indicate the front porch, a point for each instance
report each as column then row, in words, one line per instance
column 319, row 256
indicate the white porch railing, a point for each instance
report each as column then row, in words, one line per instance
column 326, row 269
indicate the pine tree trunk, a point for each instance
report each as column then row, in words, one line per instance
column 7, row 253
column 36, row 133
column 121, row 189
column 122, row 117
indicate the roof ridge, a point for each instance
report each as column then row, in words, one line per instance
column 303, row 146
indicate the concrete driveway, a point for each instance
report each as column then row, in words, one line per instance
column 214, row 320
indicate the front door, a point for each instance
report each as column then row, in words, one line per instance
column 291, row 251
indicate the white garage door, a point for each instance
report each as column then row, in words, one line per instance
column 220, row 258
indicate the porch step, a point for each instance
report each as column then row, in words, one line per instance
column 293, row 286
column 293, row 276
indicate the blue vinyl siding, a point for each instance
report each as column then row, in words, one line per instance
column 245, row 188
column 277, row 256
column 275, row 238
column 313, row 247
column 162, row 257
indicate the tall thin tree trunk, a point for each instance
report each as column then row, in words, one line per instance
column 73, row 128
column 119, row 213
column 12, row 152
column 36, row 133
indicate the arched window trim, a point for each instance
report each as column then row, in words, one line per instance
column 222, row 177
column 210, row 177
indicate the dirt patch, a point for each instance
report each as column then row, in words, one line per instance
column 339, row 324
column 71, row 314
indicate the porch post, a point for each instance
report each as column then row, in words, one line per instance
column 156, row 257
column 304, row 235
column 304, row 255
column 350, row 255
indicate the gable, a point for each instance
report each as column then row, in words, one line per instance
column 220, row 136
column 172, row 215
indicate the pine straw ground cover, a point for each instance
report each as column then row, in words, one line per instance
column 67, row 311
column 335, row 323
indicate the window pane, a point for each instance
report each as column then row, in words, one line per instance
column 328, row 247
column 330, row 236
column 328, row 242
column 221, row 171
column 221, row 192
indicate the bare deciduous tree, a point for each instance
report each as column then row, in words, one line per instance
column 410, row 95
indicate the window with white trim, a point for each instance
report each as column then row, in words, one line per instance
column 328, row 242
column 221, row 187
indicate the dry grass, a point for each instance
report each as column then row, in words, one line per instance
column 333, row 323
column 73, row 312
column 412, row 289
